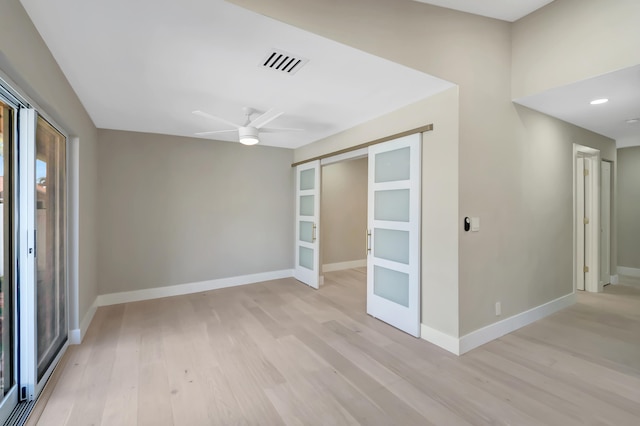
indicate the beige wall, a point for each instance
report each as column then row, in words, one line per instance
column 343, row 211
column 178, row 210
column 629, row 207
column 572, row 40
column 513, row 166
column 24, row 57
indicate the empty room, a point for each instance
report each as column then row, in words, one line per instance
column 385, row 212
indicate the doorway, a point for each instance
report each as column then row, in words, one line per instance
column 343, row 215
column 393, row 228
column 587, row 219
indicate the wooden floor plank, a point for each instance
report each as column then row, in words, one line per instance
column 279, row 352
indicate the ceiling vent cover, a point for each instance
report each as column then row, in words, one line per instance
column 279, row 60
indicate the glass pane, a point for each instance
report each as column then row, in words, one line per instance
column 392, row 205
column 306, row 231
column 6, row 249
column 308, row 179
column 50, row 244
column 306, row 205
column 391, row 245
column 392, row 165
column 391, row 285
column 306, row 257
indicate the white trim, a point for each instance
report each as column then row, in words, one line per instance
column 614, row 279
column 630, row 272
column 339, row 266
column 493, row 331
column 77, row 334
column 500, row 328
column 188, row 288
column 438, row 338
column 73, row 243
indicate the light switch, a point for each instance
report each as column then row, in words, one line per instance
column 475, row 224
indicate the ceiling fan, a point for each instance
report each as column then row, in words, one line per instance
column 249, row 131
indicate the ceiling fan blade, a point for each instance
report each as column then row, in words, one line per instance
column 213, row 117
column 215, row 131
column 265, row 118
column 278, row 130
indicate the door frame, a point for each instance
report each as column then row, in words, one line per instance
column 605, row 244
column 592, row 209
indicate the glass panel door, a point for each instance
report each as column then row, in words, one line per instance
column 307, row 267
column 393, row 264
column 8, row 388
column 51, row 294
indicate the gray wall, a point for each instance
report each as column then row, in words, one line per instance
column 572, row 40
column 178, row 210
column 24, row 57
column 513, row 165
column 629, row 207
column 343, row 211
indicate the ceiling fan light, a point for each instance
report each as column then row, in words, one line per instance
column 248, row 135
column 249, row 140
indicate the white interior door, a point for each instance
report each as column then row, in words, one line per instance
column 580, row 214
column 605, row 223
column 307, row 266
column 393, row 263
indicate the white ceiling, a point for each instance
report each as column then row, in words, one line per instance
column 506, row 10
column 146, row 65
column 571, row 103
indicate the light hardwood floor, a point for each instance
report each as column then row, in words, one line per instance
column 281, row 353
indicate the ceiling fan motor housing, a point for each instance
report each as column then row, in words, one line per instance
column 248, row 135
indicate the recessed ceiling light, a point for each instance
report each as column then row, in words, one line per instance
column 632, row 120
column 599, row 101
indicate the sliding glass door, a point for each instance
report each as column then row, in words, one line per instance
column 51, row 289
column 33, row 251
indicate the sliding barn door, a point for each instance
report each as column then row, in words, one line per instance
column 393, row 264
column 307, row 268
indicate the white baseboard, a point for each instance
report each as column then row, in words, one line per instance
column 614, row 279
column 76, row 335
column 330, row 267
column 181, row 289
column 507, row 325
column 438, row 338
column 459, row 346
column 630, row 272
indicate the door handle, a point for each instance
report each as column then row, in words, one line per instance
column 313, row 235
column 368, row 241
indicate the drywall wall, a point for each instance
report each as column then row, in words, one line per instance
column 343, row 211
column 179, row 210
column 572, row 40
column 25, row 59
column 628, row 202
column 496, row 174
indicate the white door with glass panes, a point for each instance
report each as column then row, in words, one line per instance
column 393, row 236
column 307, row 253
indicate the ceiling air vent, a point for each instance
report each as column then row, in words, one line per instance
column 279, row 60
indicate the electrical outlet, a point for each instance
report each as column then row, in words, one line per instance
column 498, row 309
